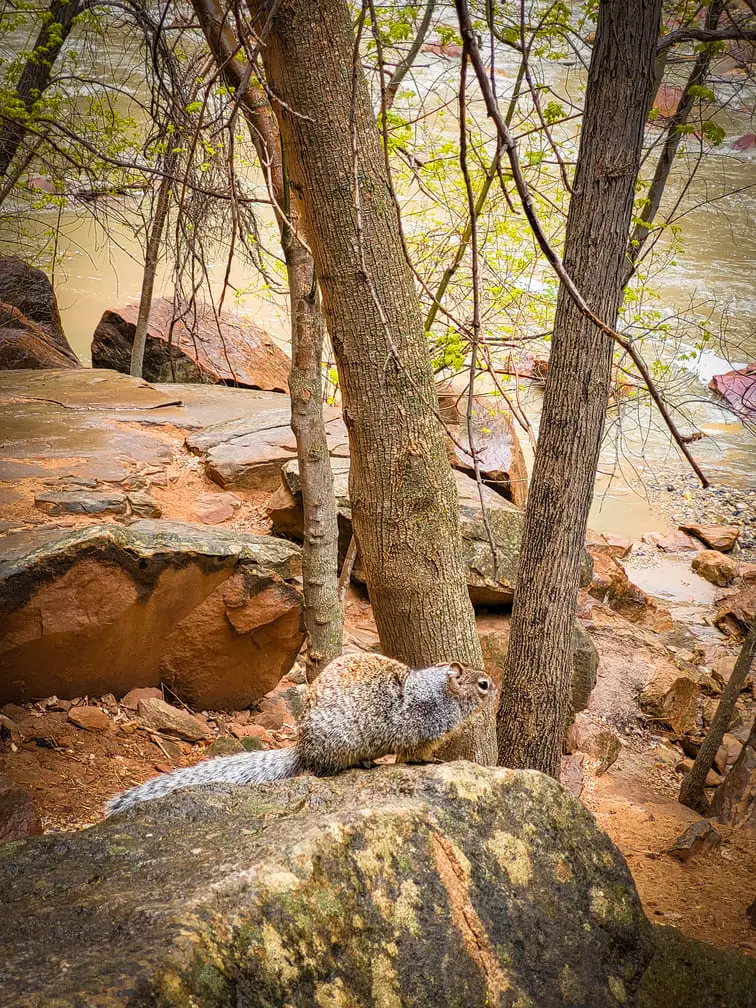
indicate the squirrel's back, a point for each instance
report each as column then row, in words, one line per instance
column 361, row 707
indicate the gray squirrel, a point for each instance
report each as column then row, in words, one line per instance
column 361, row 707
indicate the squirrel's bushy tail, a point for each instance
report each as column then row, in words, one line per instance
column 246, row 768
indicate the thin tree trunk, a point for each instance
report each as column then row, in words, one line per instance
column 692, row 789
column 151, row 257
column 672, row 141
column 403, row 68
column 323, row 613
column 403, row 495
column 37, row 72
column 535, row 692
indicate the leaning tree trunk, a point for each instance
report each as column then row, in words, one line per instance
column 403, row 495
column 324, row 617
column 535, row 692
column 692, row 791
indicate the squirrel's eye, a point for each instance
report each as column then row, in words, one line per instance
column 483, row 685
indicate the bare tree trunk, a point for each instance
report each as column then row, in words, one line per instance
column 151, row 256
column 36, row 74
column 403, row 496
column 535, row 692
column 692, row 789
column 402, row 69
column 322, row 612
column 672, row 140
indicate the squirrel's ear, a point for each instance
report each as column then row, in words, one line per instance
column 456, row 669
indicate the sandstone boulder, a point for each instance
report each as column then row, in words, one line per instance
column 439, row 885
column 160, row 716
column 738, row 389
column 192, row 349
column 716, row 537
column 106, row 608
column 715, row 567
column 670, row 697
column 610, row 584
column 495, row 441
column 737, row 612
column 31, row 332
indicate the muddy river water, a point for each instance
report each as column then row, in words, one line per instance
column 100, row 267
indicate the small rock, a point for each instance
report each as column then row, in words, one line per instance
column 698, row 837
column 9, row 729
column 253, row 731
column 213, row 509
column 572, row 773
column 224, row 745
column 161, row 716
column 16, row 712
column 716, row 537
column 242, row 717
column 715, row 567
column 18, row 817
column 80, row 502
column 163, row 767
column 90, row 718
column 144, row 505
column 671, row 542
column 601, row 744
column 132, row 698
column 274, row 714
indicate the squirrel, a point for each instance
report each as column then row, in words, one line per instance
column 360, row 707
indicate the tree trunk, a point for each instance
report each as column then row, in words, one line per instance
column 322, row 609
column 734, row 800
column 692, row 789
column 151, row 256
column 37, row 72
column 403, row 495
column 535, row 693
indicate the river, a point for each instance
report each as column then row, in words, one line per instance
column 99, row 266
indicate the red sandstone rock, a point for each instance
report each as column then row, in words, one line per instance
column 235, row 353
column 716, row 537
column 715, row 567
column 738, row 388
column 132, row 698
column 160, row 716
column 90, row 718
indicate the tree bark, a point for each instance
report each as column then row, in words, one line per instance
column 403, row 495
column 535, row 693
column 322, row 610
column 37, row 72
column 151, row 256
column 692, row 789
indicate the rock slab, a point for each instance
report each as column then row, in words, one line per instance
column 104, row 609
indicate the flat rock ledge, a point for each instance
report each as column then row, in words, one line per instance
column 401, row 886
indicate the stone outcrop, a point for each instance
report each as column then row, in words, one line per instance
column 738, row 611
column 495, row 441
column 487, row 586
column 444, row 885
column 671, row 697
column 715, row 567
column 105, row 608
column 493, row 632
column 192, row 349
column 610, row 584
column 738, row 389
column 31, row 332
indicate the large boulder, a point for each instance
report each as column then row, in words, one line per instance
column 738, row 389
column 446, row 885
column 489, row 584
column 737, row 611
column 104, row 609
column 494, row 440
column 31, row 332
column 193, row 349
column 493, row 632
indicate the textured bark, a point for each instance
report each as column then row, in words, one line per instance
column 534, row 703
column 323, row 612
column 37, row 72
column 151, row 256
column 403, row 496
column 692, row 789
